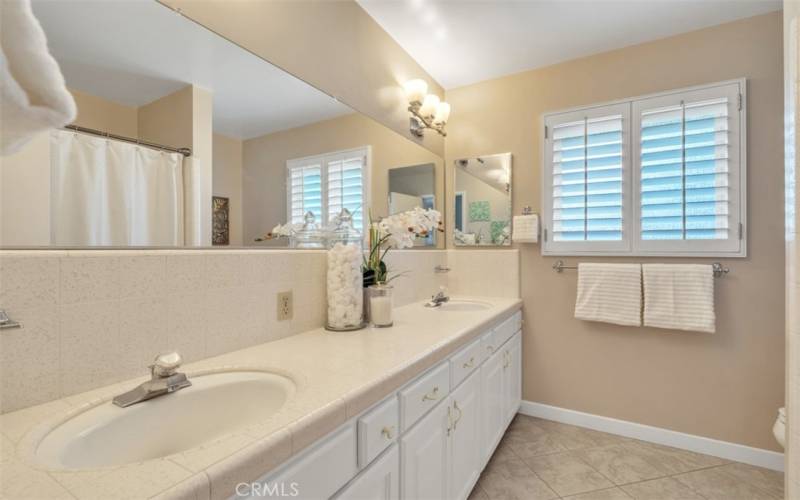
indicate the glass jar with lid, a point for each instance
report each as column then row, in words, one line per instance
column 309, row 236
column 345, row 280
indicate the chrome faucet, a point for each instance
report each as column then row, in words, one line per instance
column 164, row 380
column 438, row 299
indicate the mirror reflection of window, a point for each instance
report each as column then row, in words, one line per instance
column 325, row 184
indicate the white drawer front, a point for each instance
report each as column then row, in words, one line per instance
column 508, row 328
column 424, row 394
column 321, row 471
column 464, row 362
column 377, row 429
column 488, row 345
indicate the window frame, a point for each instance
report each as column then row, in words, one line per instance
column 599, row 247
column 730, row 248
column 324, row 161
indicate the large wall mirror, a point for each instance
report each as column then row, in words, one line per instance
column 482, row 201
column 184, row 139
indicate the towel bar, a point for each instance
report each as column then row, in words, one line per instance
column 717, row 267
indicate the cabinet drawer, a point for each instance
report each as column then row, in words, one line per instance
column 508, row 328
column 377, row 429
column 424, row 394
column 464, row 362
column 488, row 345
column 320, row 471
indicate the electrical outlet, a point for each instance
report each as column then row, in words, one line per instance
column 285, row 305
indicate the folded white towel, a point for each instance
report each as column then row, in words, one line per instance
column 611, row 293
column 679, row 296
column 33, row 97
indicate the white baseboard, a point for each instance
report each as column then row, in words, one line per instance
column 723, row 449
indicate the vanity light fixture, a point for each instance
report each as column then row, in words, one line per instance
column 427, row 111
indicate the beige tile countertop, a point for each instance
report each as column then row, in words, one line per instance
column 337, row 376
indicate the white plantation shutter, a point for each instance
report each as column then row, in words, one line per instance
column 327, row 183
column 305, row 190
column 586, row 162
column 688, row 176
column 659, row 175
column 346, row 187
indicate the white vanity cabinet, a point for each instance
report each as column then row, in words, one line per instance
column 380, row 481
column 429, row 440
column 512, row 377
column 465, row 446
column 425, row 456
column 492, row 407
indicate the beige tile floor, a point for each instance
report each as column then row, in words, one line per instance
column 541, row 459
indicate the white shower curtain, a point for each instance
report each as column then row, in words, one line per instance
column 112, row 193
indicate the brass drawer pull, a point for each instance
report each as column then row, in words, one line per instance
column 470, row 363
column 432, row 396
column 388, row 432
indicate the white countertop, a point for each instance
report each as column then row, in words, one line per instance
column 337, row 375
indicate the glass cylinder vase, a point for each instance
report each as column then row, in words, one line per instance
column 345, row 280
column 380, row 305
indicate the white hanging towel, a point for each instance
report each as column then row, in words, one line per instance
column 33, row 97
column 611, row 293
column 679, row 296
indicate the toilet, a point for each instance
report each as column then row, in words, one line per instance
column 779, row 429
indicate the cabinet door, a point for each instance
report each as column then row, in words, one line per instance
column 379, row 481
column 424, row 456
column 465, row 463
column 492, row 392
column 512, row 368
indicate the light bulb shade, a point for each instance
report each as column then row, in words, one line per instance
column 429, row 105
column 442, row 113
column 416, row 90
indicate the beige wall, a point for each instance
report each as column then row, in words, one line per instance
column 168, row 120
column 726, row 386
column 264, row 172
column 25, row 195
column 228, row 181
column 791, row 39
column 335, row 46
column 104, row 115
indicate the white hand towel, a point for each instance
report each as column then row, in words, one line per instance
column 611, row 293
column 33, row 97
column 679, row 296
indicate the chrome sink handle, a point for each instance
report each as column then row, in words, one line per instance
column 166, row 365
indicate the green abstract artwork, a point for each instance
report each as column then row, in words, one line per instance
column 496, row 229
column 478, row 211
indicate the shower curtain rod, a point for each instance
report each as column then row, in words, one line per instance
column 76, row 128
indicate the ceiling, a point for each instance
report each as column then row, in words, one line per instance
column 136, row 51
column 463, row 42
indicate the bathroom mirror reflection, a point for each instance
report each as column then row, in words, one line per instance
column 184, row 139
column 413, row 186
column 482, row 201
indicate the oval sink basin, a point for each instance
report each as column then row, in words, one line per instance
column 214, row 405
column 464, row 305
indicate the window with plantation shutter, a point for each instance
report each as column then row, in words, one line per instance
column 689, row 177
column 325, row 184
column 657, row 175
column 305, row 191
column 346, row 186
column 587, row 161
